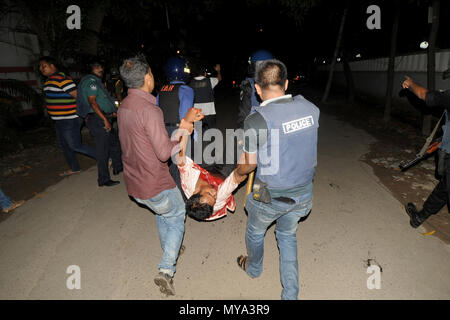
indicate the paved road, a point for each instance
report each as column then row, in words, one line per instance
column 115, row 242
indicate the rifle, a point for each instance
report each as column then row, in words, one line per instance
column 419, row 157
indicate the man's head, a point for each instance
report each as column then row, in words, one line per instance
column 47, row 66
column 201, row 204
column 199, row 69
column 271, row 79
column 256, row 58
column 175, row 69
column 137, row 74
column 97, row 69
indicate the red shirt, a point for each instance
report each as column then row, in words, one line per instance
column 146, row 146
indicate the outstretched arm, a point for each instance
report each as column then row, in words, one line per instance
column 185, row 130
column 247, row 163
column 418, row 90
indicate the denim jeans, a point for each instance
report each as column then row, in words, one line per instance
column 68, row 135
column 5, row 201
column 107, row 146
column 260, row 217
column 170, row 215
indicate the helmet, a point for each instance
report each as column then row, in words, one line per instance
column 174, row 69
column 114, row 71
column 261, row 55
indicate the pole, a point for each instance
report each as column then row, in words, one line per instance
column 249, row 187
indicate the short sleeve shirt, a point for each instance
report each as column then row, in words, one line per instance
column 90, row 87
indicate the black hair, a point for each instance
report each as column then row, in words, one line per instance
column 197, row 210
column 270, row 73
column 199, row 68
column 49, row 60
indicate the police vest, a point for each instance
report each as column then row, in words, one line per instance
column 446, row 135
column 203, row 92
column 169, row 102
column 289, row 157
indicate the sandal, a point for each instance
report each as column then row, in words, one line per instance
column 68, row 173
column 242, row 262
column 14, row 205
column 182, row 248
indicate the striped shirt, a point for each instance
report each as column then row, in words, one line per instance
column 60, row 104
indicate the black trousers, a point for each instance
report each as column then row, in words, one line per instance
column 107, row 145
column 439, row 197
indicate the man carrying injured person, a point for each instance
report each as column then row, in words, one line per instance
column 208, row 195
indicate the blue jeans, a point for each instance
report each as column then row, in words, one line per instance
column 260, row 217
column 5, row 201
column 68, row 135
column 170, row 215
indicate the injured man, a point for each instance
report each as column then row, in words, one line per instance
column 209, row 196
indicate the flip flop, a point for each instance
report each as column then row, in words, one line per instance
column 68, row 173
column 242, row 262
column 14, row 205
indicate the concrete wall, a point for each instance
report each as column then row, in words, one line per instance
column 370, row 76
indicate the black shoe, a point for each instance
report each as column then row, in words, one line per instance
column 116, row 172
column 415, row 216
column 108, row 183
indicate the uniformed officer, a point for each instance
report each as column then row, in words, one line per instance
column 175, row 99
column 248, row 99
column 204, row 95
column 101, row 109
column 440, row 195
column 281, row 141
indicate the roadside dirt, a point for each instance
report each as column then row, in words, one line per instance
column 400, row 141
column 26, row 173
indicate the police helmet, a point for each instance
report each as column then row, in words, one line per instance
column 174, row 69
column 260, row 55
column 114, row 71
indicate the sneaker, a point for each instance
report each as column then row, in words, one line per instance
column 165, row 283
column 14, row 205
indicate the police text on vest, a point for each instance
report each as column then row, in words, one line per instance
column 299, row 124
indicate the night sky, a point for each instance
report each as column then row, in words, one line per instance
column 227, row 32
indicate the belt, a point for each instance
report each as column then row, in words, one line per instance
column 172, row 124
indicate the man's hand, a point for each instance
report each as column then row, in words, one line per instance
column 194, row 115
column 217, row 67
column 418, row 90
column 407, row 83
column 247, row 163
column 107, row 125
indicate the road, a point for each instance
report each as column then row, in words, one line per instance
column 355, row 221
